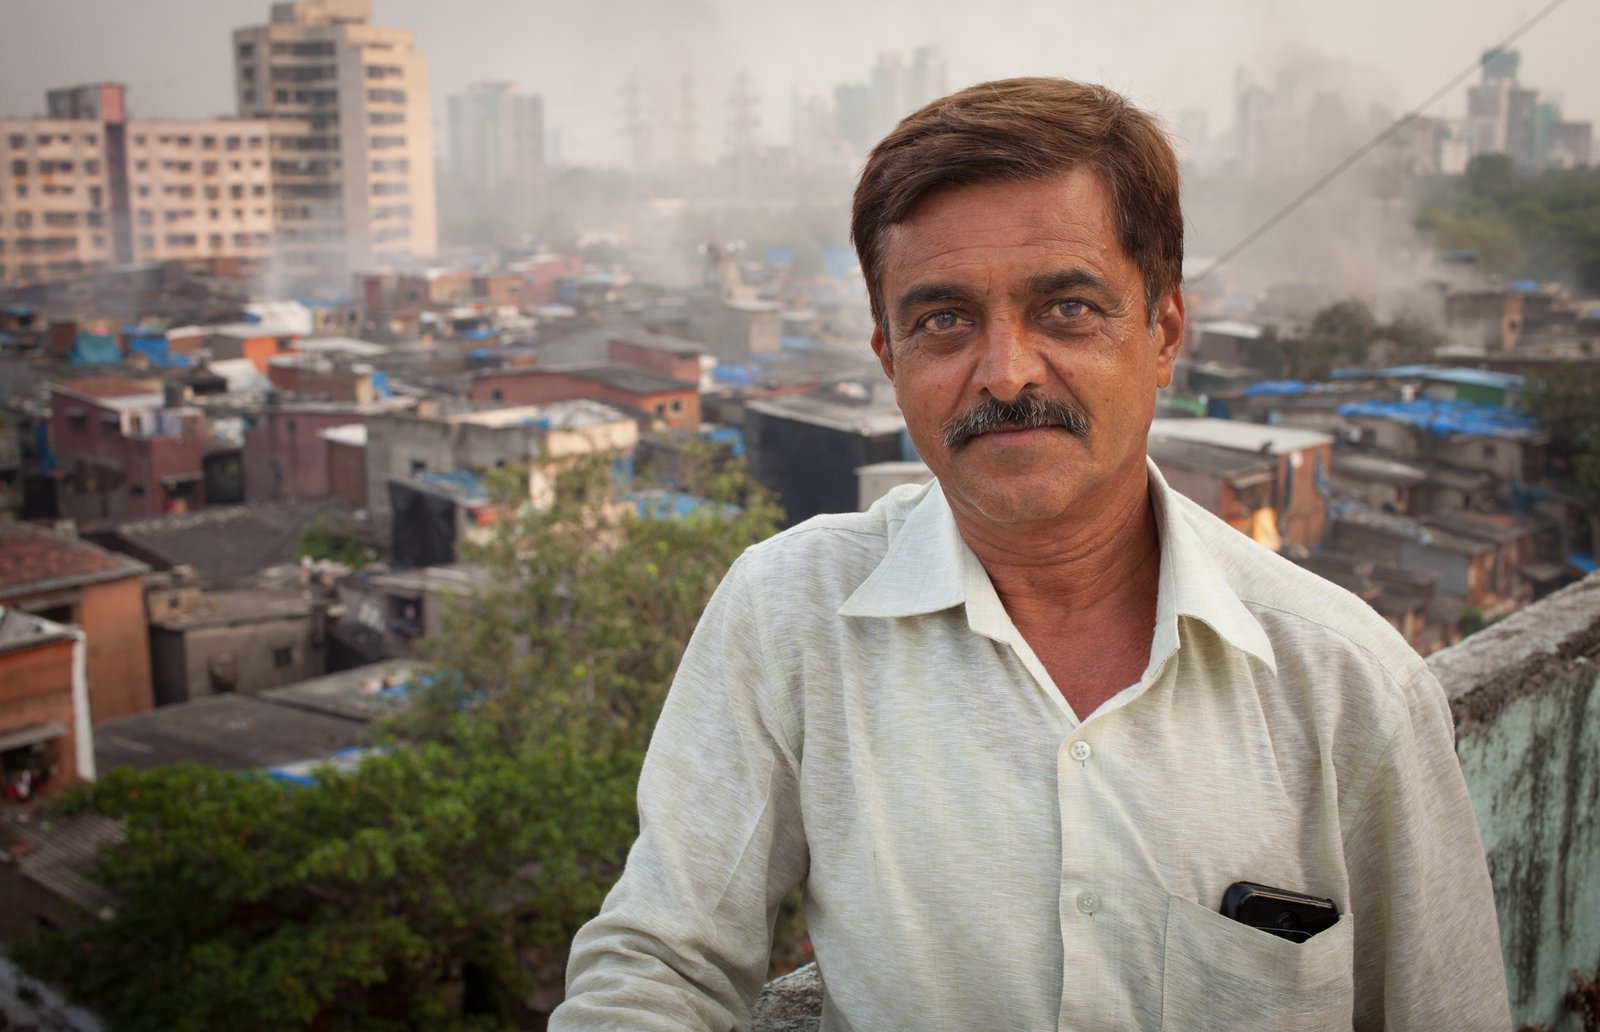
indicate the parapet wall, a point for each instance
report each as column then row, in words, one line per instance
column 1526, row 698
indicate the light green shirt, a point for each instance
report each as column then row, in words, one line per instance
column 857, row 711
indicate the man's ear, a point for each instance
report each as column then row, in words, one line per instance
column 1167, row 334
column 880, row 347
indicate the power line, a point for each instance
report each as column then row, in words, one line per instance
column 1367, row 148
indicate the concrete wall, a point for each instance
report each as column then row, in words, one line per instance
column 112, row 615
column 1526, row 694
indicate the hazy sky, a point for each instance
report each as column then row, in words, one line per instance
column 175, row 55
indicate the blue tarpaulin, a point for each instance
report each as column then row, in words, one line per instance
column 380, row 384
column 41, row 446
column 738, row 375
column 730, row 436
column 157, row 354
column 1447, row 417
column 1285, row 388
column 94, row 349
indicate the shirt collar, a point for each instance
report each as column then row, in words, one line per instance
column 928, row 568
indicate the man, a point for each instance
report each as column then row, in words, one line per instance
column 1019, row 731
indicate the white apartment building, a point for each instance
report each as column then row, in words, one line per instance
column 199, row 189
column 86, row 188
column 351, row 139
column 55, row 199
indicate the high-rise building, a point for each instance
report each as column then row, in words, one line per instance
column 930, row 78
column 351, row 138
column 496, row 154
column 890, row 94
column 88, row 187
column 1504, row 117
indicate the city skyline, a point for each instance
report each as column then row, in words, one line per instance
column 1376, row 53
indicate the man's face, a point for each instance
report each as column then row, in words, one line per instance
column 1021, row 292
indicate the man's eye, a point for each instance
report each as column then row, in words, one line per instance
column 1069, row 309
column 941, row 321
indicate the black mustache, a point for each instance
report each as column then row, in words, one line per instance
column 1027, row 412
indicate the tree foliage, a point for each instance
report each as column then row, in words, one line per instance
column 1537, row 226
column 592, row 605
column 325, row 539
column 1344, row 335
column 1567, row 402
column 439, row 882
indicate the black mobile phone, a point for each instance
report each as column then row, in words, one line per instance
column 1293, row 915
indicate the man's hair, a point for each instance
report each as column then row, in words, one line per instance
column 1021, row 130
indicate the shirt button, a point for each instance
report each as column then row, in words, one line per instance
column 1080, row 750
column 1088, row 902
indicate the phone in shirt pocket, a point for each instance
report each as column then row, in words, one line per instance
column 1289, row 915
column 1220, row 974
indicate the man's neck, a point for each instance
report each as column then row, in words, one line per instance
column 1083, row 594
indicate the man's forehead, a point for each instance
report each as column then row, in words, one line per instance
column 1029, row 228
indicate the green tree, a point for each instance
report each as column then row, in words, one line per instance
column 325, row 539
column 1544, row 225
column 439, row 882
column 399, row 895
column 1567, row 403
column 1344, row 335
column 592, row 603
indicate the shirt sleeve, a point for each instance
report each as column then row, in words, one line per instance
column 1427, row 938
column 683, row 939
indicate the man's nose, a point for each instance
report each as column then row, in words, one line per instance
column 1011, row 361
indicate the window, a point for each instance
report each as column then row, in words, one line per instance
column 418, row 466
column 18, row 141
column 283, row 656
column 92, row 167
column 19, row 168
column 23, row 219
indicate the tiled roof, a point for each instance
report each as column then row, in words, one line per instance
column 33, row 561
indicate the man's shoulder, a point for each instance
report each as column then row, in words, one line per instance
column 1300, row 611
column 835, row 551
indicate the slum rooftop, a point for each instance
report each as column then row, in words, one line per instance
column 33, row 561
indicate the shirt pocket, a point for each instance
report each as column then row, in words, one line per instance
column 1220, row 974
